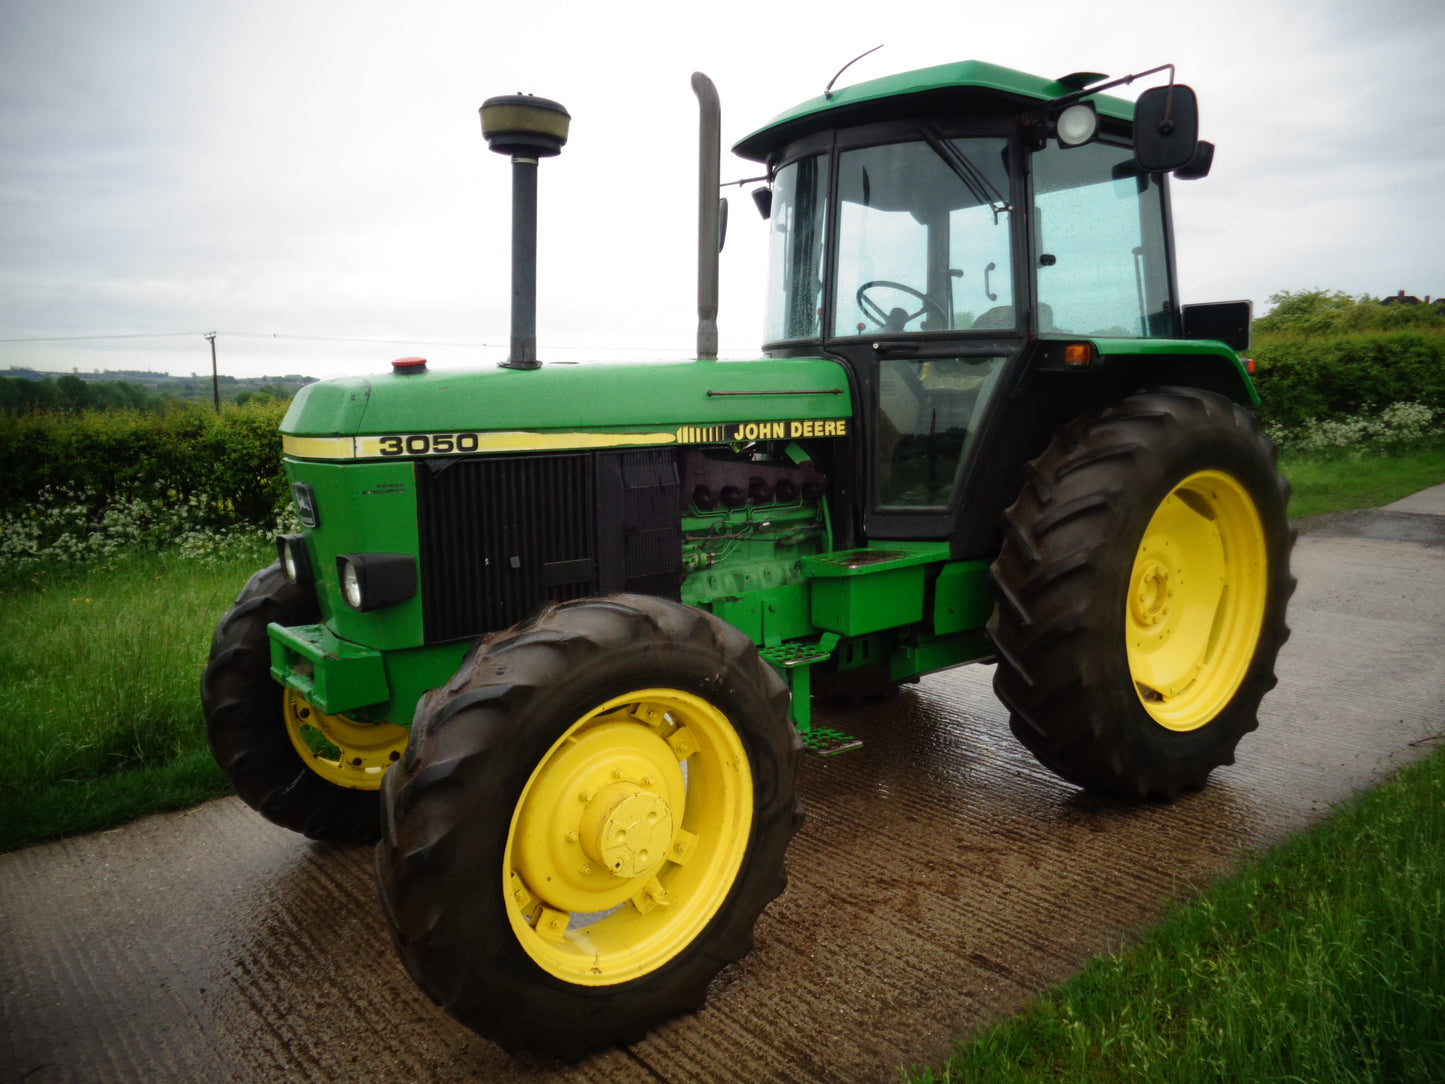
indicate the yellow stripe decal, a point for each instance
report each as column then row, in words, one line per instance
column 318, row 447
column 420, row 445
column 416, row 445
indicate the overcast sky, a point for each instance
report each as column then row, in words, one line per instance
column 291, row 174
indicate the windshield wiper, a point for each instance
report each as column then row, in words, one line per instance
column 974, row 179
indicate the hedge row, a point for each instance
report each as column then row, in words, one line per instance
column 232, row 459
column 1302, row 379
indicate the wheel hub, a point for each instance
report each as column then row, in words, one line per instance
column 627, row 830
column 602, row 818
column 340, row 749
column 628, row 836
column 1150, row 599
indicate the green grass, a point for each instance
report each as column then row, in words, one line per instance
column 1322, row 960
column 100, row 678
column 1336, row 482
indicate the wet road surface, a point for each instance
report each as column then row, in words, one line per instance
column 942, row 878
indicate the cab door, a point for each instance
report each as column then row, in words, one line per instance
column 925, row 306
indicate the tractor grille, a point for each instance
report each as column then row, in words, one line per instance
column 502, row 536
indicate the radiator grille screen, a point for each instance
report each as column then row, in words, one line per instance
column 501, row 536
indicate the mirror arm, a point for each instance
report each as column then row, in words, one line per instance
column 1080, row 95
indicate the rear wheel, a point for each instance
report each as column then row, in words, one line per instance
column 588, row 822
column 298, row 767
column 1141, row 593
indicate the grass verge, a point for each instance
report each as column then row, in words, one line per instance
column 1322, row 960
column 1338, row 481
column 100, row 678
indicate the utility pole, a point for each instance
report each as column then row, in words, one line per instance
column 215, row 374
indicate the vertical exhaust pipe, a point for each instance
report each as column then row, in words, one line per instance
column 529, row 129
column 708, row 213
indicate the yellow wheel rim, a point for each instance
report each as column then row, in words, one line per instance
column 339, row 749
column 1196, row 600
column 628, row 837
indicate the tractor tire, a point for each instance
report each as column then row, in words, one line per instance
column 246, row 715
column 516, row 897
column 1141, row 593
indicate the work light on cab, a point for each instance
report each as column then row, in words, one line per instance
column 1077, row 124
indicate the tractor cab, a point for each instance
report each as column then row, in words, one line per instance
column 950, row 235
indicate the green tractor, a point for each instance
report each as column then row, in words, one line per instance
column 551, row 632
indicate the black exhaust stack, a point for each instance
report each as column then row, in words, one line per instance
column 709, row 214
column 529, row 129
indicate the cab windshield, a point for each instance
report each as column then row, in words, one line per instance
column 923, row 241
column 923, row 238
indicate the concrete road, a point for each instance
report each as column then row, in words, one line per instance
column 941, row 879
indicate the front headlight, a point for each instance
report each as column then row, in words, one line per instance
column 370, row 581
column 295, row 561
column 350, row 584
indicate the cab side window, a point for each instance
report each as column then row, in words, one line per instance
column 1099, row 244
column 927, row 414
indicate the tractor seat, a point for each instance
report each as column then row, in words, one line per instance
column 1001, row 317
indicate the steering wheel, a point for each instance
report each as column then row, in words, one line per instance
column 896, row 320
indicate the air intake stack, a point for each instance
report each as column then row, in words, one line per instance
column 529, row 129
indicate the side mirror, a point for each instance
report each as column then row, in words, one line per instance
column 763, row 200
column 1198, row 166
column 1166, row 128
column 1225, row 321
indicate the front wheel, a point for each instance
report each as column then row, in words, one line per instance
column 1141, row 593
column 298, row 767
column 589, row 820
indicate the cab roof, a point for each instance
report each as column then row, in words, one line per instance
column 963, row 85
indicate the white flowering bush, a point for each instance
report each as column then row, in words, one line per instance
column 70, row 528
column 1398, row 427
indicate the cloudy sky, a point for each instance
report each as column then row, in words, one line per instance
column 308, row 179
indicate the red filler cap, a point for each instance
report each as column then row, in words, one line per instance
column 402, row 366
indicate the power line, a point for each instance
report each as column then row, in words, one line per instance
column 340, row 339
column 336, row 339
column 85, row 338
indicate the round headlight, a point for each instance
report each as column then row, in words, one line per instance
column 291, row 549
column 1077, row 124
column 351, row 585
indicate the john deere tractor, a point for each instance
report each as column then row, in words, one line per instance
column 552, row 633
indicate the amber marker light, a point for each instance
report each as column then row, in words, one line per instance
column 1079, row 354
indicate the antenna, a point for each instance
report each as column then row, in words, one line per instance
column 828, row 90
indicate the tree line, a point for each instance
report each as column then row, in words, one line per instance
column 1322, row 354
column 72, row 394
